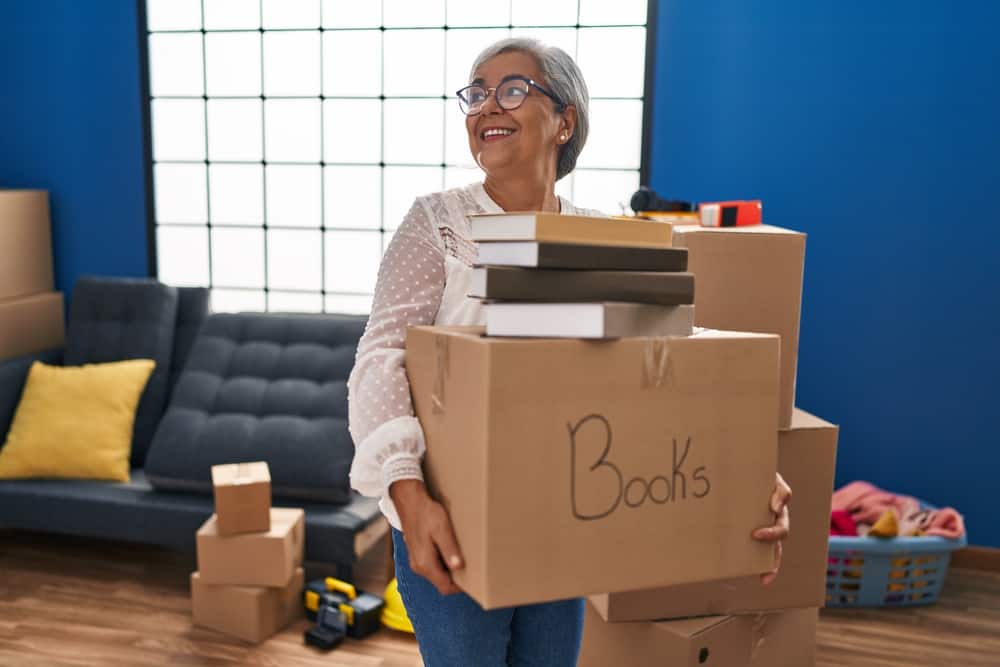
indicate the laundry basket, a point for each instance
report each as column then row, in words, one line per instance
column 887, row 572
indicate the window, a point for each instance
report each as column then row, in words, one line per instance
column 282, row 131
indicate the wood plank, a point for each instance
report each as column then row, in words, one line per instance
column 977, row 558
column 70, row 601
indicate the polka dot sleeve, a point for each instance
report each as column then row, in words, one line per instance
column 389, row 442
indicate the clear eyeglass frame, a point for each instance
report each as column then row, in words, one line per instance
column 510, row 94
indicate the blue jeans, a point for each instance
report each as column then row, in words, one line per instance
column 454, row 631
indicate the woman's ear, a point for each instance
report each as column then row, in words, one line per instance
column 567, row 125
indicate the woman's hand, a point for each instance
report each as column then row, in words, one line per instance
column 428, row 534
column 779, row 529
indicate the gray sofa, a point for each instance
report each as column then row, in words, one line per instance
column 227, row 388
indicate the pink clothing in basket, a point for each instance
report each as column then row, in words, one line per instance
column 866, row 503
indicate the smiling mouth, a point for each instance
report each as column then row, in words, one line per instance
column 496, row 133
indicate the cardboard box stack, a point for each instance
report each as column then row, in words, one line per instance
column 561, row 460
column 250, row 579
column 750, row 278
column 580, row 277
column 31, row 313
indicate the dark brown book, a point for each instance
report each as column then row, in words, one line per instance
column 533, row 254
column 502, row 283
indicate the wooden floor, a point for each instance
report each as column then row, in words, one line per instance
column 69, row 601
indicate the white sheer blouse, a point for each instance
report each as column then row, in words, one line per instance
column 423, row 279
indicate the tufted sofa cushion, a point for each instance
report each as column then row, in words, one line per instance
column 192, row 309
column 262, row 386
column 113, row 319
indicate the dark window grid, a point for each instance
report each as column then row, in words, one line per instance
column 322, row 184
column 384, row 28
column 576, row 45
column 282, row 163
column 271, row 228
column 208, row 184
column 382, row 230
column 263, row 143
column 307, row 98
column 444, row 116
column 383, row 240
column 244, row 288
column 324, row 232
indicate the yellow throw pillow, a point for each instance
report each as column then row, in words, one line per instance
column 75, row 421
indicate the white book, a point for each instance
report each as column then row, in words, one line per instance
column 514, row 253
column 587, row 320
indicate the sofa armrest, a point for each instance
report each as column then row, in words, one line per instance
column 13, row 373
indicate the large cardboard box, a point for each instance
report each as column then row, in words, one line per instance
column 807, row 455
column 572, row 467
column 780, row 639
column 242, row 497
column 253, row 559
column 31, row 324
column 750, row 279
column 25, row 243
column 251, row 613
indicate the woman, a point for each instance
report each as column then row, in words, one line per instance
column 527, row 120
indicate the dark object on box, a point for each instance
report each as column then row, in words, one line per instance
column 362, row 611
column 645, row 199
column 730, row 213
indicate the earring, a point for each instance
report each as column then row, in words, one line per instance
column 562, row 137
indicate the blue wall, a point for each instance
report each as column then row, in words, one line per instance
column 70, row 123
column 875, row 128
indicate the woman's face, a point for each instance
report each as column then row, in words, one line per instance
column 535, row 126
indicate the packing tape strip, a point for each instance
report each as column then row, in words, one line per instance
column 758, row 634
column 656, row 362
column 441, row 362
column 242, row 474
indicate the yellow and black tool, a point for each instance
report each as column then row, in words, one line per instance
column 361, row 611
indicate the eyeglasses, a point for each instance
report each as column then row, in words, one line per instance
column 510, row 94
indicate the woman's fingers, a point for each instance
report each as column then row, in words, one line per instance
column 436, row 553
column 426, row 561
column 776, row 531
column 447, row 545
column 782, row 494
column 768, row 577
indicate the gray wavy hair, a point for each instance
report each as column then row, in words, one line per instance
column 563, row 77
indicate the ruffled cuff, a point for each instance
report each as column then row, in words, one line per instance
column 402, row 466
column 390, row 453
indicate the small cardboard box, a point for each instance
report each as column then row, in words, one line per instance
column 242, row 497
column 572, row 467
column 251, row 613
column 31, row 324
column 750, row 279
column 253, row 559
column 807, row 455
column 779, row 639
column 25, row 243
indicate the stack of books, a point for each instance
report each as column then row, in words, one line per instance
column 567, row 276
